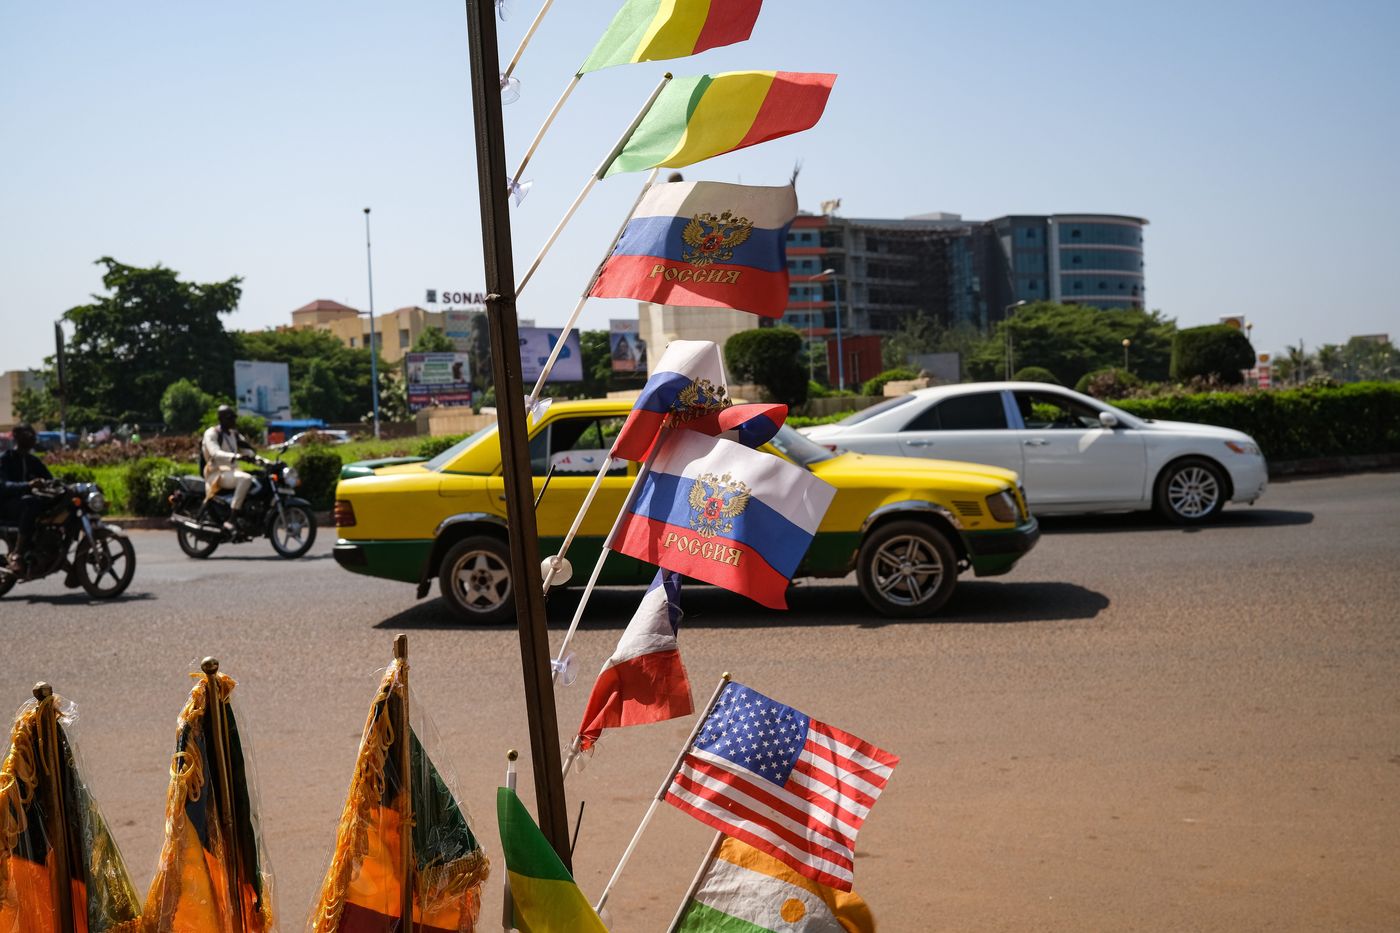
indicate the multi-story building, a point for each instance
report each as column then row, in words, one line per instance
column 396, row 330
column 1085, row 259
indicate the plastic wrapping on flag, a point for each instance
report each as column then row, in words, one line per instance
column 362, row 889
column 199, row 858
column 32, row 780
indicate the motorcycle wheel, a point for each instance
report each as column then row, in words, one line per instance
column 105, row 571
column 7, row 579
column 193, row 545
column 292, row 532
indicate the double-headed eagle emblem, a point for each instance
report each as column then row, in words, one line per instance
column 715, row 500
column 702, row 397
column 712, row 239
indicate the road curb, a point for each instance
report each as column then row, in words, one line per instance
column 1324, row 466
column 323, row 520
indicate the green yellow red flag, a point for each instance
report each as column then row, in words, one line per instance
column 51, row 830
column 363, row 888
column 704, row 116
column 546, row 898
column 212, row 876
column 652, row 30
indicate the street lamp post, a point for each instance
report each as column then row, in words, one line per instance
column 840, row 357
column 1010, row 344
column 1126, row 343
column 373, row 338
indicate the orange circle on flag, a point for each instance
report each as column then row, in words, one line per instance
column 793, row 910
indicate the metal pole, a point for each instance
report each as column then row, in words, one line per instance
column 541, row 715
column 404, row 728
column 62, row 385
column 840, row 357
column 50, row 761
column 222, row 772
column 373, row 336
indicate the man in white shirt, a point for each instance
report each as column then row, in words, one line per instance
column 223, row 447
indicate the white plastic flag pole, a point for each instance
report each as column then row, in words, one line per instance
column 508, row 905
column 593, row 179
column 544, row 127
column 529, row 33
column 558, row 663
column 578, row 308
column 574, row 748
column 695, row 882
column 661, row 792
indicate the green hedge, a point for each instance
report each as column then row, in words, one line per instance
column 145, row 485
column 319, row 468
column 1293, row 424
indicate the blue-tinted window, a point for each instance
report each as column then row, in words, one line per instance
column 1116, row 260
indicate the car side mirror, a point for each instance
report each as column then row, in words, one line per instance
column 1108, row 419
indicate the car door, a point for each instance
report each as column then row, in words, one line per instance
column 1071, row 459
column 969, row 426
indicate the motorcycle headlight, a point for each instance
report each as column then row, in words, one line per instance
column 96, row 502
column 290, row 478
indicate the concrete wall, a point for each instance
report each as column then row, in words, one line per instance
column 440, row 422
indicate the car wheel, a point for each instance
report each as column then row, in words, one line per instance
column 475, row 580
column 906, row 569
column 1190, row 491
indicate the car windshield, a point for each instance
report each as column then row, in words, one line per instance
column 441, row 461
column 799, row 448
column 879, row 408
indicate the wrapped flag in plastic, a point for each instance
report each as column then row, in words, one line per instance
column 687, row 381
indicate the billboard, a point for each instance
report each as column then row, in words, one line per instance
column 457, row 325
column 263, row 389
column 628, row 349
column 536, row 343
column 437, row 380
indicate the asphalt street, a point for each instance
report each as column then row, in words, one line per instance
column 1139, row 728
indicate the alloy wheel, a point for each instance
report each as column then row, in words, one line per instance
column 907, row 570
column 1193, row 492
column 483, row 581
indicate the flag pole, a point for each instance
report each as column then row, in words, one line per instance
column 574, row 748
column 529, row 34
column 507, row 904
column 578, row 308
column 223, row 773
column 695, row 882
column 404, row 728
column 661, row 792
column 605, row 551
column 535, row 143
column 594, row 178
column 46, row 745
column 523, row 540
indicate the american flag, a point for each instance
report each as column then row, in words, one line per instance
column 782, row 782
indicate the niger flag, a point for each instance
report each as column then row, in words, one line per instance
column 190, row 893
column 363, row 889
column 42, row 795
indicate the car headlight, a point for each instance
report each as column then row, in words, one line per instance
column 1002, row 506
column 290, row 478
column 96, row 502
column 1243, row 448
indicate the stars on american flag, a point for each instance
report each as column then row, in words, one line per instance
column 754, row 732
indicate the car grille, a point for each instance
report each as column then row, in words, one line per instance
column 968, row 508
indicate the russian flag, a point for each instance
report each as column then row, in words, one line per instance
column 705, row 244
column 686, row 365
column 752, row 425
column 720, row 512
column 644, row 680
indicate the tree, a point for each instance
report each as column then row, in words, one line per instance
column 1071, row 340
column 1217, row 350
column 917, row 334
column 1035, row 374
column 183, row 405
column 299, row 349
column 149, row 331
column 317, row 392
column 1366, row 359
column 433, row 340
column 772, row 358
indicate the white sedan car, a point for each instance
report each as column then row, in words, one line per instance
column 1074, row 453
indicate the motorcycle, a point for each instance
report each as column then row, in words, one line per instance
column 272, row 510
column 69, row 536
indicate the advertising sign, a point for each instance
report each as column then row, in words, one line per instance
column 437, row 380
column 629, row 350
column 457, row 325
column 263, row 389
column 536, row 343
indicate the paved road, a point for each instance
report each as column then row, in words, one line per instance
column 1139, row 728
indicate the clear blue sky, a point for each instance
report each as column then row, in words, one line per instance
column 1260, row 139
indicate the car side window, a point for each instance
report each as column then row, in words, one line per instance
column 1050, row 411
column 576, row 445
column 977, row 411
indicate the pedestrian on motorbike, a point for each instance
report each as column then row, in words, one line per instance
column 222, row 448
column 22, row 473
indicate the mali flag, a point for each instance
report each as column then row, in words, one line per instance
column 37, row 773
column 363, row 889
column 652, row 30
column 546, row 898
column 190, row 892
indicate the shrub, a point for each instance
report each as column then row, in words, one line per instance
column 771, row 357
column 875, row 385
column 805, row 421
column 319, row 468
column 253, row 428
column 75, row 474
column 1111, row 383
column 1213, row 350
column 145, row 485
column 432, row 446
column 1293, row 424
column 1037, row 374
column 183, row 404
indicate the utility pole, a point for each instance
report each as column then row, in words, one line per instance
column 373, row 337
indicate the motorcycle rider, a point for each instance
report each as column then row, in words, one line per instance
column 21, row 473
column 222, row 448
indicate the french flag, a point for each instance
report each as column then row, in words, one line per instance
column 705, row 244
column 722, row 513
column 644, row 680
column 689, row 375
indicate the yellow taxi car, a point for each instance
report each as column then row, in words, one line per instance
column 906, row 526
